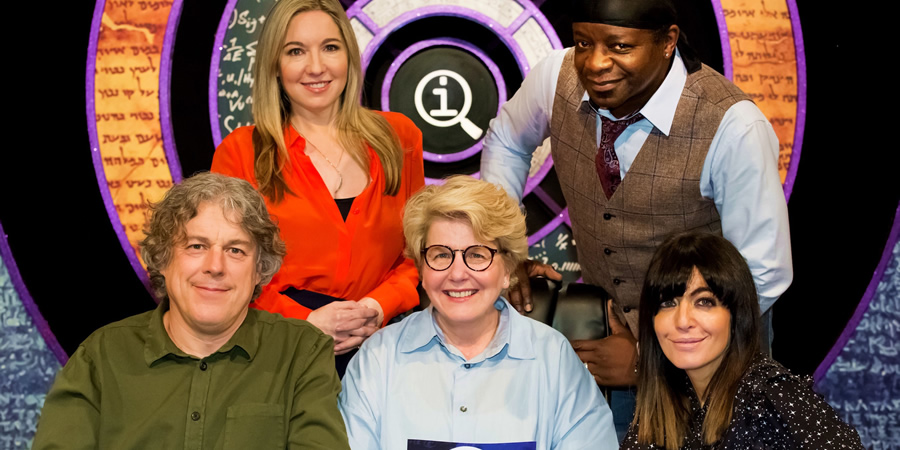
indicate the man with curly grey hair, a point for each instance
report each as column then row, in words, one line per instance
column 202, row 370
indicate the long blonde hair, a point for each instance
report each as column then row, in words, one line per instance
column 355, row 124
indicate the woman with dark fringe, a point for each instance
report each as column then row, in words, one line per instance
column 702, row 381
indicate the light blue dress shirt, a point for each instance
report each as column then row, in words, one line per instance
column 740, row 173
column 407, row 383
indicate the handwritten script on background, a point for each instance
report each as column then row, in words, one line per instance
column 765, row 64
column 126, row 102
column 237, row 59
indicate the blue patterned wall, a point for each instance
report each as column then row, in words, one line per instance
column 863, row 384
column 27, row 368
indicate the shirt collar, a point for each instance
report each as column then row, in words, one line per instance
column 290, row 136
column 159, row 345
column 660, row 109
column 521, row 336
column 511, row 333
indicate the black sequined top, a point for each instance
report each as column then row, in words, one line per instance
column 773, row 410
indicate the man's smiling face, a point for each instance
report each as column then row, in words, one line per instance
column 212, row 274
column 621, row 68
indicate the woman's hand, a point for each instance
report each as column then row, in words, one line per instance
column 373, row 304
column 355, row 336
column 349, row 323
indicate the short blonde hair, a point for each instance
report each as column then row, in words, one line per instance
column 493, row 215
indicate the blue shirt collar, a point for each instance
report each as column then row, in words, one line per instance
column 423, row 331
column 660, row 109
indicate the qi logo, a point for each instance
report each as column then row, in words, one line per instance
column 443, row 116
column 450, row 93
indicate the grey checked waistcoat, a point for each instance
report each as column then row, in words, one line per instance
column 659, row 195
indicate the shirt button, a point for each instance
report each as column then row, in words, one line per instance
column 203, row 365
column 463, row 408
column 626, row 309
column 607, row 251
column 607, row 216
column 195, row 416
column 467, row 366
column 617, row 281
column 355, row 211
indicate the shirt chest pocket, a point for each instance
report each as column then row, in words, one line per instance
column 255, row 425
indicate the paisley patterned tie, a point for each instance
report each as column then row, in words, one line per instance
column 606, row 160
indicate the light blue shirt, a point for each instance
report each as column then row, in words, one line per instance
column 740, row 173
column 406, row 382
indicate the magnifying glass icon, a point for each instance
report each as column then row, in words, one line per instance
column 456, row 117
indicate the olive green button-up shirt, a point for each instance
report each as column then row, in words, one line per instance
column 272, row 386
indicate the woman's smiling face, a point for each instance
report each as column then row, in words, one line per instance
column 460, row 295
column 694, row 330
column 313, row 64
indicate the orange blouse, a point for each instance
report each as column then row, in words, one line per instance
column 362, row 257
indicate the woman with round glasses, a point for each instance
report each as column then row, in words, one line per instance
column 702, row 382
column 469, row 370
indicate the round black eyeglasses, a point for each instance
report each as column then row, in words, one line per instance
column 476, row 257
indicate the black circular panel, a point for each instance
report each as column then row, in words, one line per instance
column 449, row 94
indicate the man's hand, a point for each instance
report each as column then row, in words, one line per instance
column 520, row 294
column 348, row 322
column 611, row 360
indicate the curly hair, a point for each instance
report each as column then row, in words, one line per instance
column 237, row 198
column 492, row 213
